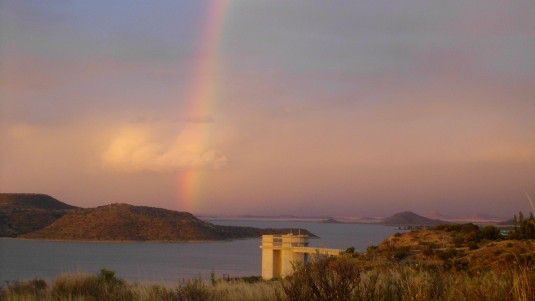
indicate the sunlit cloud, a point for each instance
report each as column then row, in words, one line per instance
column 139, row 149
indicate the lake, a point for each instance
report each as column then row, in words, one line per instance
column 167, row 262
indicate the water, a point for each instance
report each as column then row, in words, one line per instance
column 167, row 262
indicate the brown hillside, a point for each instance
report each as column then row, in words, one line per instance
column 31, row 201
column 127, row 222
column 22, row 213
column 461, row 250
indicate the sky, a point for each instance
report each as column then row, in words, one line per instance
column 305, row 107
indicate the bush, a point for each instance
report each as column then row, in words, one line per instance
column 371, row 249
column 447, row 254
column 458, row 239
column 34, row 288
column 350, row 250
column 404, row 282
column 195, row 290
column 490, row 233
column 473, row 245
column 104, row 286
column 325, row 279
column 401, row 253
column 464, row 228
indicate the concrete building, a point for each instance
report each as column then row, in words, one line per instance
column 281, row 252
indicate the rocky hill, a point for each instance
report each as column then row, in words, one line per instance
column 408, row 218
column 31, row 201
column 43, row 217
column 22, row 213
column 465, row 247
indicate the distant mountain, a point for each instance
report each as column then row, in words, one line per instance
column 22, row 213
column 408, row 218
column 125, row 222
column 331, row 220
column 31, row 201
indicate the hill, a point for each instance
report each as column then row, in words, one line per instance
column 140, row 223
column 454, row 246
column 22, row 213
column 31, row 201
column 408, row 218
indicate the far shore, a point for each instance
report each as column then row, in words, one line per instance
column 128, row 241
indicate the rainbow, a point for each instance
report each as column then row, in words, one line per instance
column 202, row 95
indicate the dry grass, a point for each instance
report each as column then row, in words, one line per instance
column 326, row 279
column 106, row 286
column 407, row 282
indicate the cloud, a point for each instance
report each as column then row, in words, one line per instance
column 144, row 149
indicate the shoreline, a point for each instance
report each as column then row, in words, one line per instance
column 127, row 241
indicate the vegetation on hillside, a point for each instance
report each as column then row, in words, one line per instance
column 22, row 213
column 41, row 216
column 464, row 247
column 141, row 223
column 343, row 279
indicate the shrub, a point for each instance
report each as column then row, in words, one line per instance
column 104, row 286
column 34, row 288
column 401, row 253
column 371, row 250
column 447, row 254
column 458, row 239
column 324, row 279
column 350, row 250
column 195, row 290
column 473, row 245
column 464, row 228
column 404, row 282
column 490, row 233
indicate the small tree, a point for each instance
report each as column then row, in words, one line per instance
column 524, row 228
